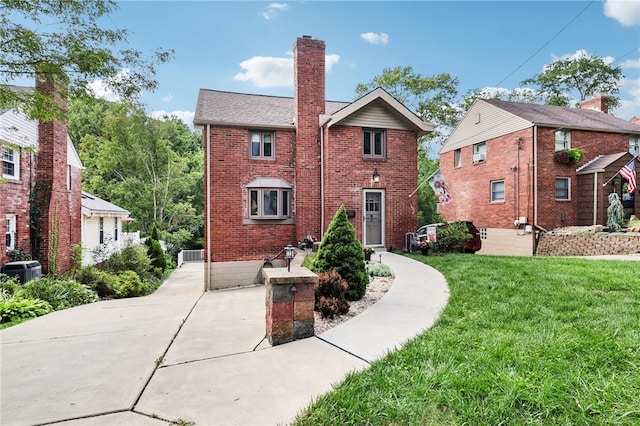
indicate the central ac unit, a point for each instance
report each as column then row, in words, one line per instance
column 482, row 156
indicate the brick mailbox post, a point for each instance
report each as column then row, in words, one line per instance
column 289, row 303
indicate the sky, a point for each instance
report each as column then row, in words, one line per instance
column 246, row 46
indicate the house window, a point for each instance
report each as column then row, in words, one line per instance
column 11, row 232
column 562, row 188
column 563, row 140
column 634, row 145
column 101, row 228
column 479, row 152
column 115, row 229
column 373, row 143
column 261, row 145
column 10, row 163
column 457, row 158
column 269, row 203
column 497, row 190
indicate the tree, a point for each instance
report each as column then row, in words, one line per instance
column 341, row 251
column 587, row 75
column 77, row 51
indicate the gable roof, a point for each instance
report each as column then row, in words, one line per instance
column 490, row 118
column 379, row 97
column 96, row 206
column 231, row 109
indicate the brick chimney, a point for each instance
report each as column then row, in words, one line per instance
column 635, row 120
column 598, row 103
column 309, row 104
column 53, row 197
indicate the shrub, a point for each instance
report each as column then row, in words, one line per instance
column 60, row 293
column 8, row 284
column 158, row 259
column 341, row 251
column 131, row 258
column 101, row 282
column 379, row 270
column 129, row 284
column 330, row 295
column 452, row 237
column 18, row 309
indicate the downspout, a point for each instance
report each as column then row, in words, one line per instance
column 535, row 176
column 321, row 181
column 595, row 197
column 208, row 278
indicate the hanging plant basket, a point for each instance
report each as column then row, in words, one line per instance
column 569, row 156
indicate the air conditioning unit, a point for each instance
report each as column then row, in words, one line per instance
column 482, row 156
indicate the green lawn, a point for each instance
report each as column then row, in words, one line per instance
column 552, row 341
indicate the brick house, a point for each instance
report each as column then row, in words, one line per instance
column 278, row 168
column 39, row 158
column 501, row 168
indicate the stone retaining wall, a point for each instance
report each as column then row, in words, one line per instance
column 588, row 245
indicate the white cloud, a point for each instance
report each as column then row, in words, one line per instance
column 375, row 38
column 631, row 63
column 274, row 10
column 185, row 116
column 627, row 12
column 167, row 99
column 267, row 71
column 101, row 90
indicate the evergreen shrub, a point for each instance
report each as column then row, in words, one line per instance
column 342, row 252
column 101, row 282
column 129, row 284
column 452, row 237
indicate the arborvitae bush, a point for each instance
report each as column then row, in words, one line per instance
column 155, row 252
column 342, row 252
column 330, row 295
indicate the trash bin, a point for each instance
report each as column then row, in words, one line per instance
column 26, row 270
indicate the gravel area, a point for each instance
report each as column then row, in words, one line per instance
column 377, row 288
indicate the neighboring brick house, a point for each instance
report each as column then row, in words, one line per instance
column 39, row 159
column 278, row 168
column 500, row 167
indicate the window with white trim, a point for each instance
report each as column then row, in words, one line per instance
column 634, row 145
column 497, row 191
column 563, row 140
column 101, row 229
column 115, row 229
column 269, row 203
column 261, row 145
column 562, row 188
column 457, row 158
column 11, row 232
column 10, row 163
column 374, row 143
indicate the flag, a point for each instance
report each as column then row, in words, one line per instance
column 441, row 189
column 629, row 173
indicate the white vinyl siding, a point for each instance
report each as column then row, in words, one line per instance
column 374, row 116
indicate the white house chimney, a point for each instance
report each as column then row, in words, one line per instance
column 598, row 103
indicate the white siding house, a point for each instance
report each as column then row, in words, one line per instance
column 101, row 228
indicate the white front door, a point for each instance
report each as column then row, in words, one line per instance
column 373, row 217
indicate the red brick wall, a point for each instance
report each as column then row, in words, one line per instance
column 15, row 200
column 347, row 173
column 470, row 184
column 309, row 103
column 231, row 169
column 60, row 215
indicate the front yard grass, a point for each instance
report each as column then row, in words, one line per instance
column 545, row 341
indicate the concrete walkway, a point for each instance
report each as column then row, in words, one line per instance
column 184, row 355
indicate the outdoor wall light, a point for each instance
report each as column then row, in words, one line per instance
column 376, row 176
column 289, row 254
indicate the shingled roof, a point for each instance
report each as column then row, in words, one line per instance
column 574, row 118
column 246, row 110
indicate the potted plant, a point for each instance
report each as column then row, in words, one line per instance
column 368, row 251
column 423, row 245
column 569, row 155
